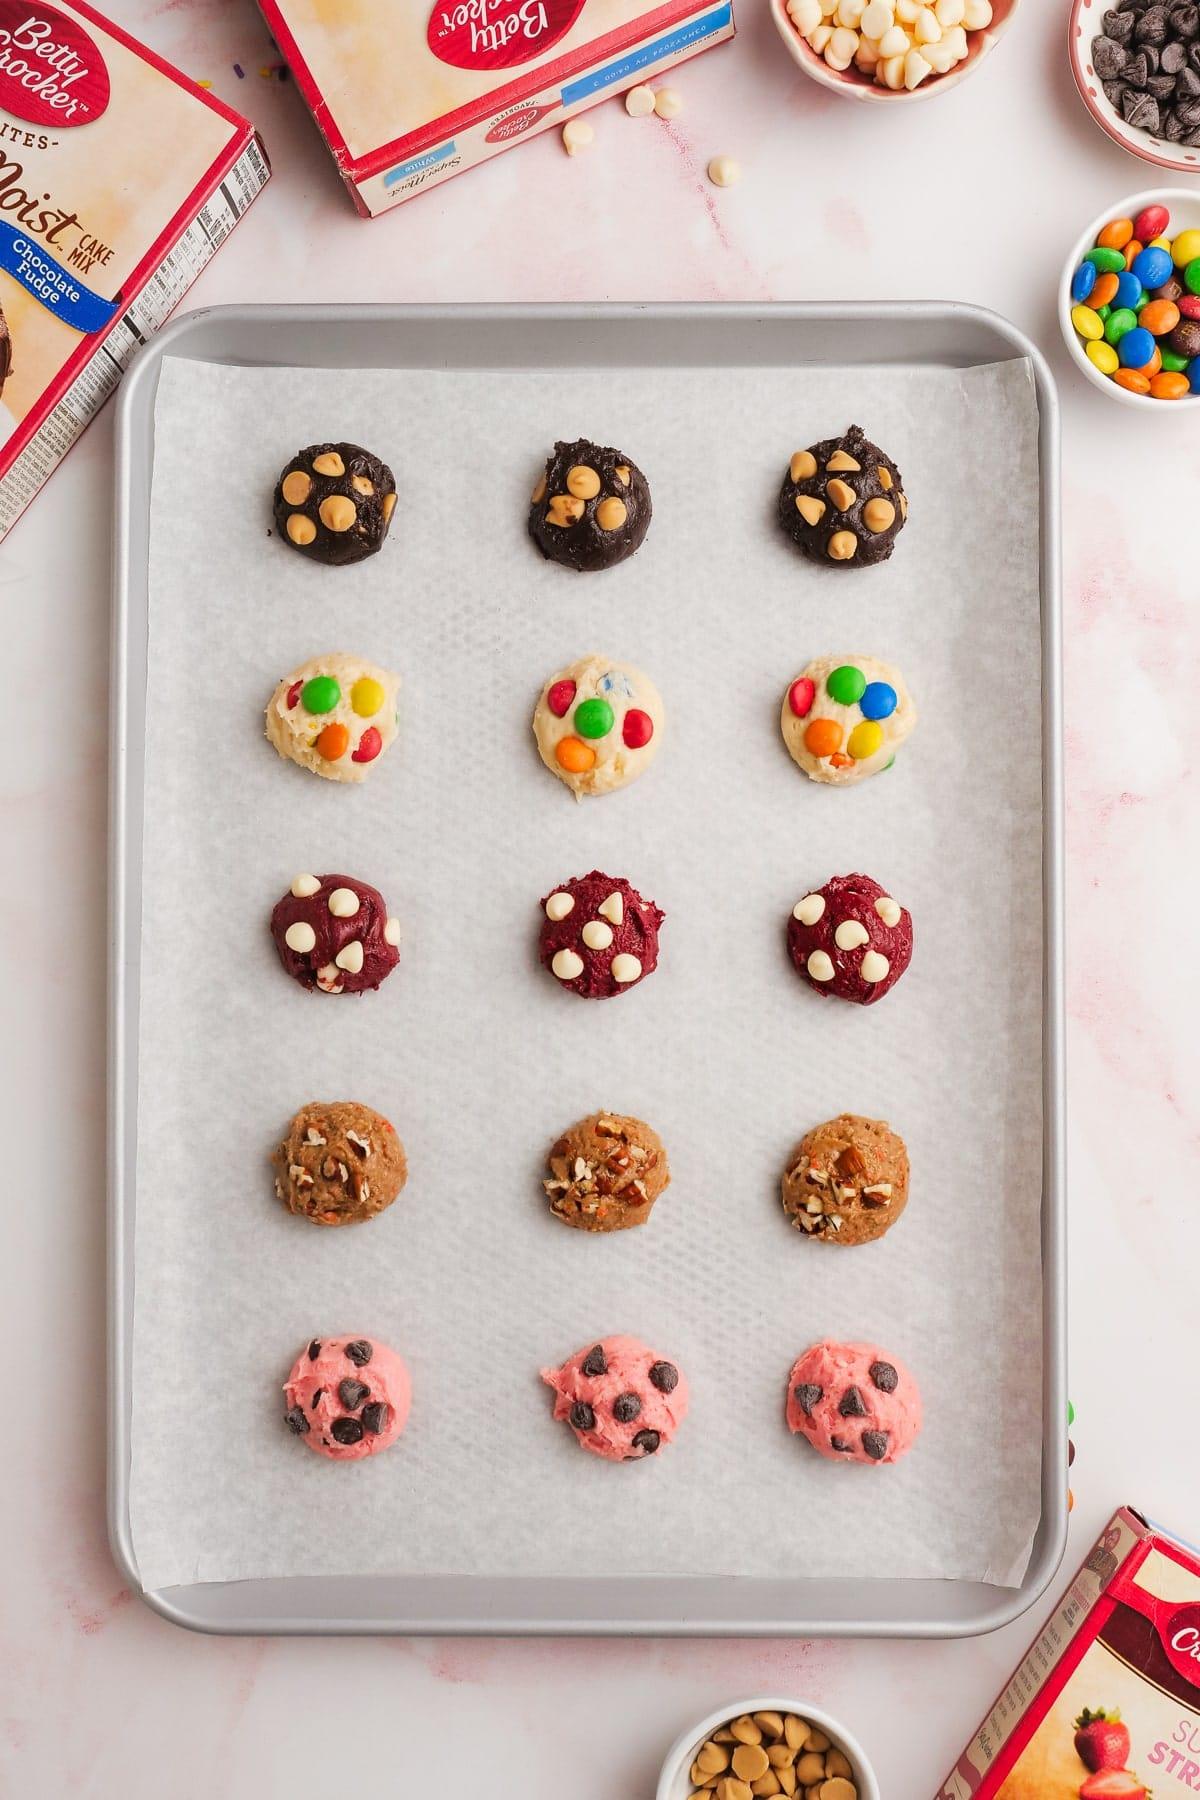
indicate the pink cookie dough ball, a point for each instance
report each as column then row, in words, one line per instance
column 347, row 1397
column 854, row 1403
column 622, row 1400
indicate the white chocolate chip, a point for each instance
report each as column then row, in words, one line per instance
column 567, row 965
column 916, row 68
column 668, row 103
column 625, row 969
column 724, row 171
column 888, row 910
column 559, row 905
column 819, row 966
column 577, row 134
column 300, row 937
column 877, row 17
column 850, row 934
column 639, row 102
column 894, row 42
column 597, row 935
column 978, row 14
column 391, row 932
column 810, row 909
column 327, row 980
column 612, row 909
column 343, row 903
column 874, row 967
column 304, row 885
column 351, row 958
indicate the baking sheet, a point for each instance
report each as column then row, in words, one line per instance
column 480, row 1060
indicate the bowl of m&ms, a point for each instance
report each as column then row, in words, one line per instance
column 1129, row 303
column 889, row 49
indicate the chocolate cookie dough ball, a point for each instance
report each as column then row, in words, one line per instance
column 347, row 1398
column 334, row 503
column 591, row 509
column 850, row 939
column 339, row 1164
column 598, row 936
column 5, row 351
column 335, row 933
column 606, row 1172
column 847, row 1180
column 842, row 502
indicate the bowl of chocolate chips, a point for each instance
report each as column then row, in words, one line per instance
column 1137, row 67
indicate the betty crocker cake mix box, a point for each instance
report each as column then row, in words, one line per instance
column 408, row 93
column 119, row 179
column 1106, row 1705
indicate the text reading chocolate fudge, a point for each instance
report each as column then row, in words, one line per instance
column 591, row 509
column 334, row 503
column 843, row 502
column 1148, row 61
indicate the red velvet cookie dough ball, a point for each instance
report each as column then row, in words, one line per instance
column 347, row 1397
column 850, row 939
column 622, row 1400
column 854, row 1403
column 598, row 936
column 334, row 933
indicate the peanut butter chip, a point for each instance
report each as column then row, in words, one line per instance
column 771, row 1722
column 795, row 1732
column 611, row 514
column 842, row 546
column 329, row 464
column 841, row 459
column 750, row 1762
column 745, row 1730
column 389, row 506
column 878, row 514
column 841, row 493
column 838, row 1789
column 539, row 493
column 361, row 485
column 904, row 506
column 583, row 482
column 810, row 1767
column 884, row 478
column 622, row 474
column 811, row 510
column 712, row 1758
column 338, row 513
column 300, row 528
column 564, row 510
column 802, row 465
column 297, row 487
column 733, row 1789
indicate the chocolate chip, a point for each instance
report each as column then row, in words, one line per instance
column 360, row 1352
column 851, row 1404
column 1142, row 111
column 1173, row 128
column 1114, row 92
column 1174, row 58
column 582, row 1417
column 807, row 1395
column 352, row 1393
column 1184, row 21
column 1187, row 84
column 885, row 1377
column 1108, row 58
column 1118, row 26
column 1161, row 86
column 838, row 1444
column 647, row 1442
column 875, row 1444
column 626, row 1407
column 296, row 1420
column 665, row 1377
column 312, row 1405
column 346, row 1431
column 314, row 1350
column 375, row 1417
column 595, row 1362
column 1194, row 55
column 1136, row 71
column 1151, row 28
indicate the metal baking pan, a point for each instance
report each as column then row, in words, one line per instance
column 547, row 337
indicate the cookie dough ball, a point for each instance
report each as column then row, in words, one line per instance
column 844, row 718
column 5, row 351
column 599, row 937
column 334, row 933
column 843, row 502
column 340, row 1163
column 850, row 939
column 854, row 1403
column 591, row 509
column 847, row 1180
column 334, row 503
column 598, row 725
column 622, row 1401
column 335, row 715
column 606, row 1172
column 347, row 1397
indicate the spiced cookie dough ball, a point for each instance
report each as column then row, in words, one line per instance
column 598, row 725
column 598, row 936
column 847, row 1180
column 347, row 1398
column 622, row 1400
column 844, row 718
column 843, row 502
column 339, row 1164
column 854, row 1403
column 335, row 933
column 606, row 1172
column 591, row 509
column 334, row 503
column 850, row 939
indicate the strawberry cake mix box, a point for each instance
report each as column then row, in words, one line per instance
column 408, row 93
column 119, row 178
column 1106, row 1705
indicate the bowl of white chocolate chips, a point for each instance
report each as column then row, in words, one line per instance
column 767, row 1747
column 890, row 49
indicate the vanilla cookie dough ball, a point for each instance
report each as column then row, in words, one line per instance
column 335, row 715
column 598, row 725
column 843, row 718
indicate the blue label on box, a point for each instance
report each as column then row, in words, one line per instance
column 426, row 160
column 616, row 73
column 47, row 280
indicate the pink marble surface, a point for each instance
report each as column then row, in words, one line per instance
column 972, row 196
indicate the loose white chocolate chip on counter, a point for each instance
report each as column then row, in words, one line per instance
column 668, row 103
column 639, row 102
column 723, row 171
column 577, row 134
column 898, row 43
column 770, row 1753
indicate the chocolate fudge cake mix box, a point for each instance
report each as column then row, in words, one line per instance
column 119, row 178
column 1106, row 1705
column 408, row 93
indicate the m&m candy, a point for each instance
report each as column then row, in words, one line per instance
column 1134, row 305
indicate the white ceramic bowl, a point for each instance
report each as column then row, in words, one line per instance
column 1085, row 24
column 674, row 1782
column 854, row 85
column 1183, row 204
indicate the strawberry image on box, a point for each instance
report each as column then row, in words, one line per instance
column 408, row 93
